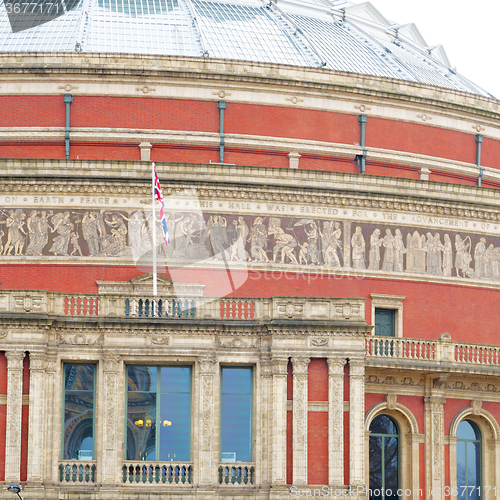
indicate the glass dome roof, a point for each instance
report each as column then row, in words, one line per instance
column 333, row 34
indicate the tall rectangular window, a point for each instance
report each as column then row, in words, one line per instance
column 385, row 322
column 236, row 414
column 158, row 413
column 78, row 412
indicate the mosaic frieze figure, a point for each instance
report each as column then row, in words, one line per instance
column 196, row 236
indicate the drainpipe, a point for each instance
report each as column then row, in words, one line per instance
column 479, row 140
column 362, row 158
column 221, row 105
column 68, row 99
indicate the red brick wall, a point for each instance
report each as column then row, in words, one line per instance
column 317, row 447
column 317, row 380
column 24, row 442
column 3, row 373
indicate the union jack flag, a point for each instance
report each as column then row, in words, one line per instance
column 159, row 197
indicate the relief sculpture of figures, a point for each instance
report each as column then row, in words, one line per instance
column 64, row 227
column 217, row 234
column 90, row 229
column 284, row 243
column 358, row 249
column 374, row 255
column 16, row 233
column 114, row 244
column 312, row 234
column 434, row 247
column 258, row 241
column 238, row 251
column 479, row 258
column 389, row 254
column 399, row 251
column 333, row 241
column 463, row 257
column 447, row 256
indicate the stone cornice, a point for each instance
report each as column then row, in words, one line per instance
column 247, row 183
column 147, row 71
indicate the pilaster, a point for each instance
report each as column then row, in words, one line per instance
column 36, row 442
column 207, row 459
column 356, row 421
column 14, row 414
column 434, row 446
column 110, row 472
column 336, row 421
column 278, row 422
column 266, row 420
column 52, row 418
column 300, row 410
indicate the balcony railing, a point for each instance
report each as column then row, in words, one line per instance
column 237, row 474
column 441, row 350
column 77, row 472
column 158, row 473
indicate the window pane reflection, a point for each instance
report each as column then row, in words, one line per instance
column 236, row 414
column 78, row 425
column 468, row 461
column 163, row 402
column 384, row 458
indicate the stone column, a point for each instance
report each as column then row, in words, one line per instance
column 266, row 427
column 110, row 469
column 356, row 422
column 52, row 414
column 300, row 409
column 278, row 420
column 207, row 433
column 14, row 412
column 434, row 446
column 336, row 421
column 36, row 442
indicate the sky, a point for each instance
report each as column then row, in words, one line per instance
column 468, row 30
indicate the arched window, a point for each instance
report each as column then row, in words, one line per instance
column 384, row 458
column 468, row 461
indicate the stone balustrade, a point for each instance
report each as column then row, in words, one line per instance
column 174, row 473
column 237, row 474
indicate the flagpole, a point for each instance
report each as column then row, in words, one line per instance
column 155, row 290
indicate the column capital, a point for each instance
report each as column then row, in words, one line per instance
column 37, row 361
column 300, row 365
column 336, row 366
column 15, row 359
column 208, row 363
column 279, row 365
column 434, row 403
column 356, row 368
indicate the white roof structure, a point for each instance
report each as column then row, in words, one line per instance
column 334, row 34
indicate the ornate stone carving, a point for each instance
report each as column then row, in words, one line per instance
column 476, row 405
column 145, row 89
column 37, row 361
column 207, row 417
column 15, row 359
column 234, row 342
column 159, row 340
column 391, row 401
column 319, row 342
column 207, row 363
column 111, row 362
column 221, row 94
column 300, row 365
column 294, row 99
column 279, row 365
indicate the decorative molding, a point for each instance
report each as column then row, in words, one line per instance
column 145, row 89
column 68, row 87
column 478, row 128
column 111, row 363
column 221, row 94
column 391, row 401
column 294, row 99
column 362, row 108
column 319, row 342
column 208, row 363
column 424, row 117
column 300, row 365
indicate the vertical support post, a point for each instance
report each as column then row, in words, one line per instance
column 300, row 410
column 110, row 472
column 68, row 99
column 14, row 415
column 36, row 431
column 52, row 418
column 434, row 445
column 362, row 119
column 479, row 140
column 266, row 420
column 336, row 421
column 207, row 458
column 221, row 106
column 279, row 368
column 356, row 422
